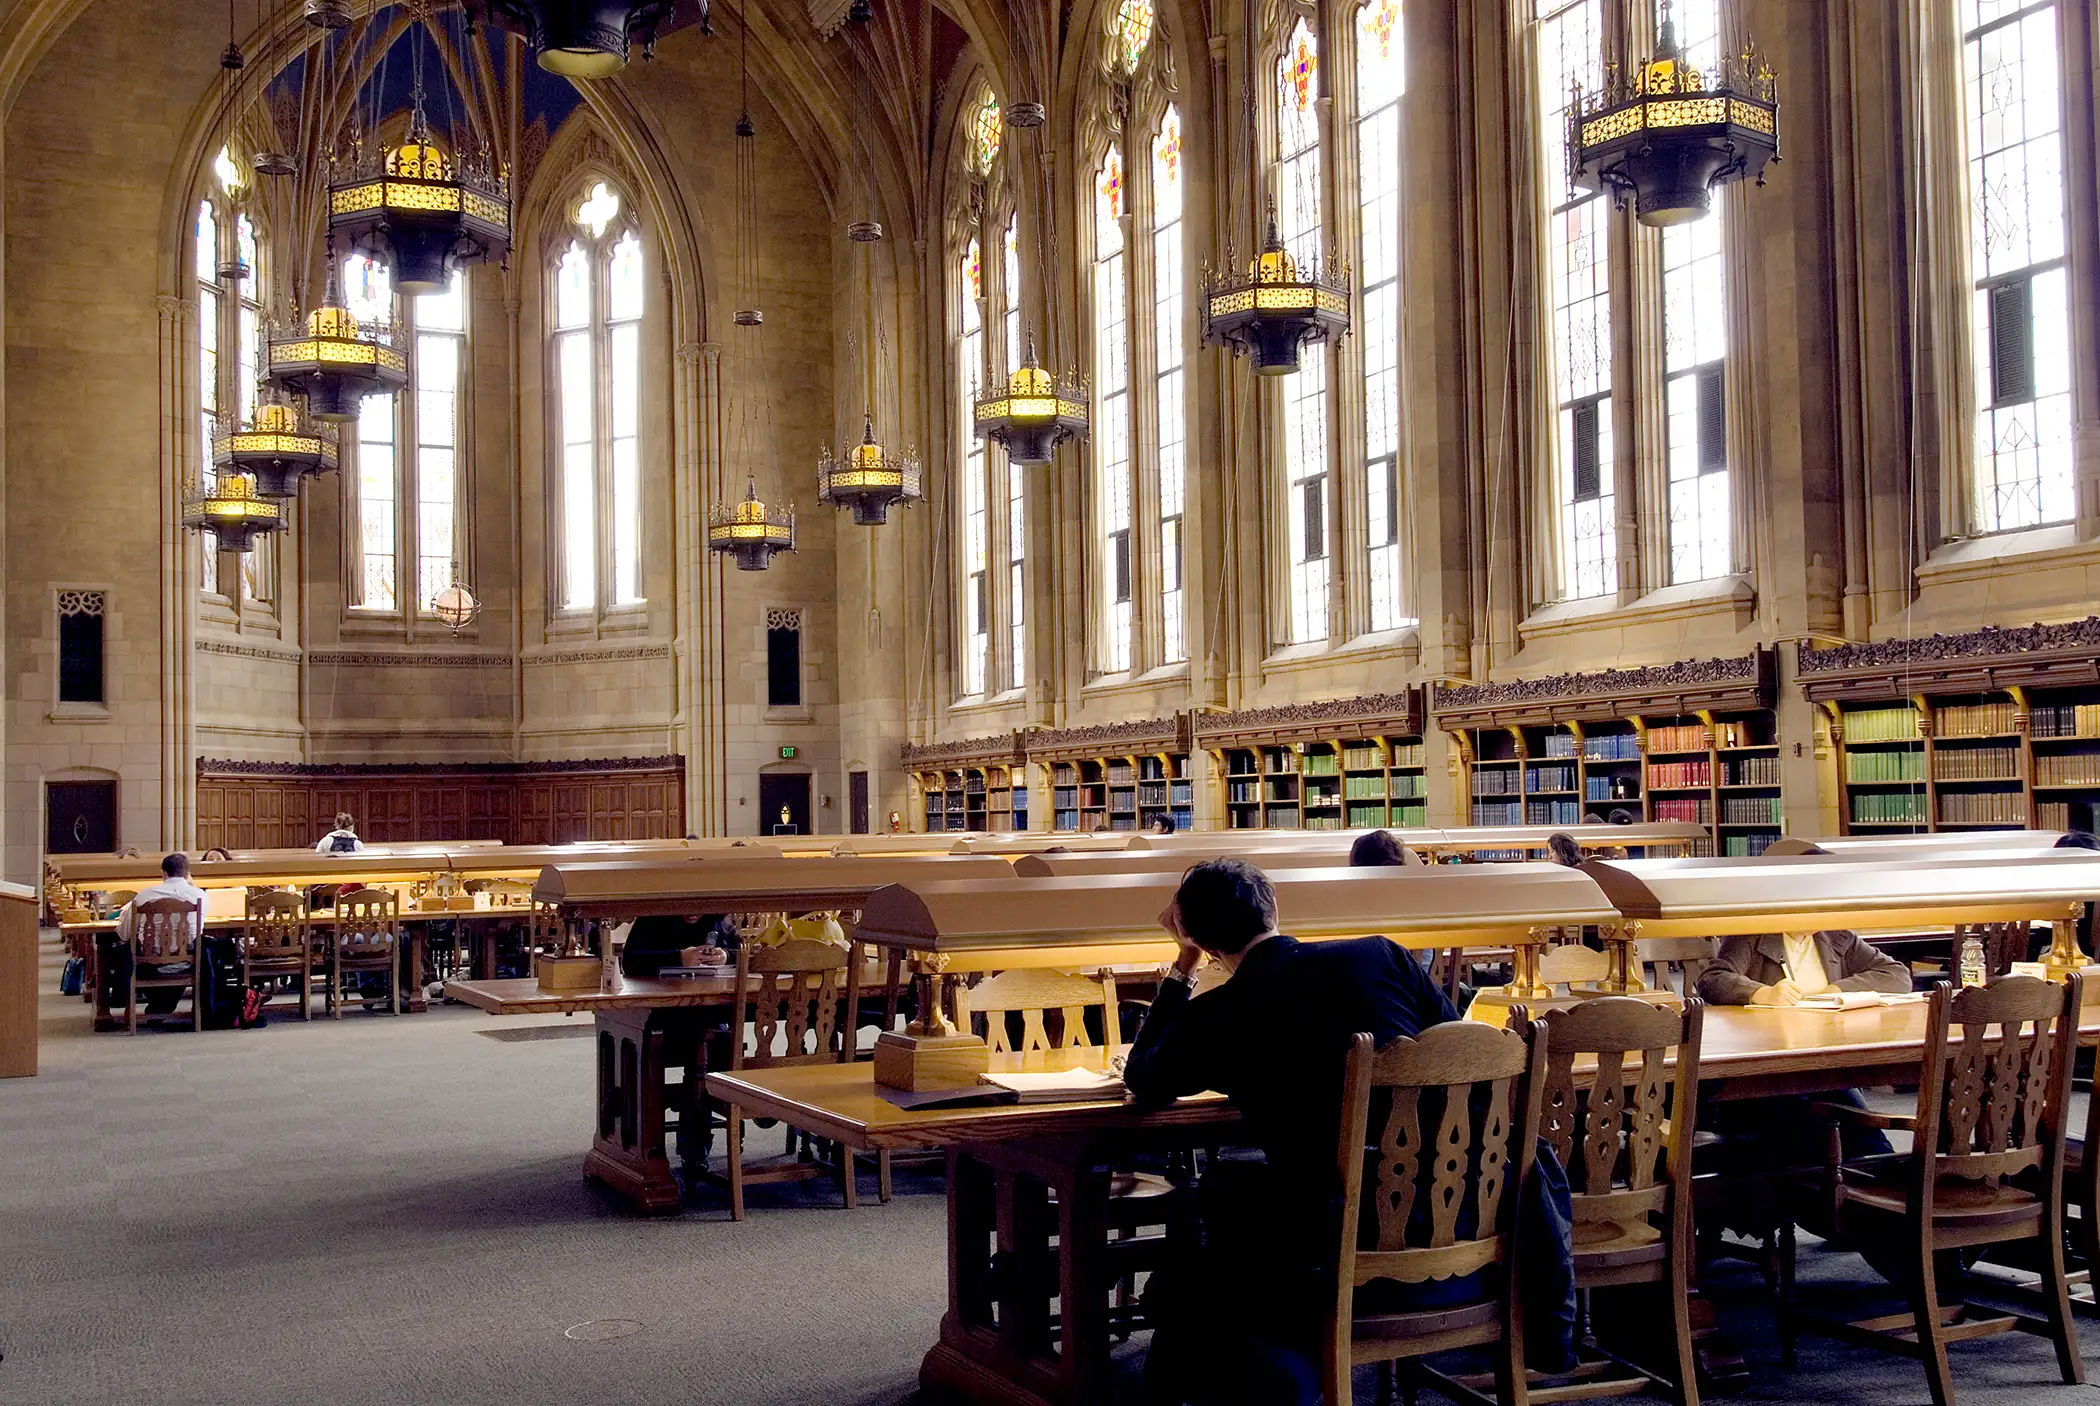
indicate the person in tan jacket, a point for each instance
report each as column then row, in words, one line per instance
column 1779, row 969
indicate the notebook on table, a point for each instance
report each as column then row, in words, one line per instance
column 1063, row 1086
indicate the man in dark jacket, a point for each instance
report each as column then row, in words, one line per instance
column 1274, row 1038
column 1778, row 969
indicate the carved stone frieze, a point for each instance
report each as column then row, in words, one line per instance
column 372, row 659
column 276, row 654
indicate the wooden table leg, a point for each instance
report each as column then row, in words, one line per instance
column 417, row 945
column 1000, row 1342
column 629, row 1153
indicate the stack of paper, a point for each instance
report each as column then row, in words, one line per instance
column 1064, row 1086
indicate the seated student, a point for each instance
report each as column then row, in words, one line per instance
column 1562, row 849
column 1779, row 969
column 342, row 839
column 116, row 955
column 1162, row 825
column 655, row 942
column 1379, row 849
column 1274, row 1038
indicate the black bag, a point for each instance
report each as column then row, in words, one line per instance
column 342, row 844
column 219, row 993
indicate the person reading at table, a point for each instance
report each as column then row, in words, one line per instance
column 1274, row 1038
column 1782, row 969
column 116, row 954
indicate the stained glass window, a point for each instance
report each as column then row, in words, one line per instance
column 1016, row 571
column 1016, row 534
column 1305, row 394
column 259, row 564
column 1131, row 30
column 1570, row 52
column 1169, row 394
column 623, row 283
column 976, row 652
column 2019, row 323
column 987, row 127
column 1380, row 82
column 578, row 435
column 375, row 502
column 1111, row 433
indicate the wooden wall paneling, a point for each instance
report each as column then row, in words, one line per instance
column 268, row 808
column 211, row 814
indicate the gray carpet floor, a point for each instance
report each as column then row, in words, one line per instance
column 391, row 1210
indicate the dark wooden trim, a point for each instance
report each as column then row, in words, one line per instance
column 1375, row 715
column 1978, row 661
column 1743, row 683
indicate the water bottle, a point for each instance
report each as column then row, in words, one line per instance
column 1973, row 972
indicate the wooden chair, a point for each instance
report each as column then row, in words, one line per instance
column 1451, row 1213
column 795, row 996
column 1986, row 1168
column 277, row 940
column 367, row 939
column 1629, row 1162
column 1674, row 963
column 165, row 933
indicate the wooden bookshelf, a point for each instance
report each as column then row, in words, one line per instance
column 1992, row 730
column 1693, row 741
column 1353, row 764
column 971, row 786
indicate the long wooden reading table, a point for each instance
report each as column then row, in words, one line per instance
column 1030, row 1183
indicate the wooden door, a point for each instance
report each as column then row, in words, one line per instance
column 783, row 793
column 80, row 817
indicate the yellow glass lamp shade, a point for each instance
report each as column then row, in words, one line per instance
column 868, row 479
column 1032, row 413
column 1275, row 305
column 278, row 449
column 332, row 322
column 335, row 361
column 421, row 212
column 233, row 512
column 750, row 533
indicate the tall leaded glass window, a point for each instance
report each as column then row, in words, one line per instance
column 598, row 292
column 977, row 640
column 2020, row 306
column 1305, row 394
column 1016, row 505
column 208, row 396
column 1169, row 292
column 441, row 336
column 1570, row 53
column 1380, row 81
column 1112, row 415
column 1695, row 351
column 368, row 296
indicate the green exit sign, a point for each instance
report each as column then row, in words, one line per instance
column 787, row 754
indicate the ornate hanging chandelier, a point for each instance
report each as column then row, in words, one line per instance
column 869, row 478
column 1275, row 307
column 232, row 511
column 1032, row 413
column 1672, row 134
column 750, row 532
column 589, row 38
column 279, row 450
column 335, row 361
column 420, row 213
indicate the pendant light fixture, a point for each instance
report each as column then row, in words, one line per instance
column 1278, row 303
column 416, row 210
column 279, row 450
column 232, row 511
column 1666, row 139
column 868, row 478
column 456, row 606
column 1035, row 410
column 334, row 360
column 589, row 38
column 233, row 268
column 270, row 160
column 748, row 532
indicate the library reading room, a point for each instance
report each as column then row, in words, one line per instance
column 1050, row 702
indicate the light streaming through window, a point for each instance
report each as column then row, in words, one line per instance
column 1169, row 396
column 1570, row 49
column 574, row 366
column 2019, row 326
column 441, row 328
column 1111, row 431
column 976, row 649
column 1305, row 394
column 1380, row 81
column 207, row 267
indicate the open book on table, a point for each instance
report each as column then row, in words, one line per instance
column 1061, row 1086
column 1856, row 1000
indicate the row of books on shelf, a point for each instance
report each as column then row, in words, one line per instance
column 1697, row 809
column 1364, row 756
column 1681, row 774
column 1681, row 737
column 1375, row 817
column 1741, row 846
column 1884, row 766
column 1159, row 793
column 2058, row 815
column 1497, row 812
column 1973, row 719
column 1549, row 777
column 1552, row 813
column 2075, row 769
column 1889, row 808
column 1976, row 764
column 1750, row 771
column 1611, row 747
column 1749, row 810
column 1984, row 808
column 1373, row 787
column 2053, row 720
column 1881, row 724
column 1610, row 788
column 1496, row 781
